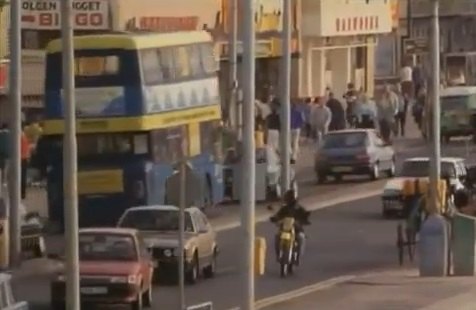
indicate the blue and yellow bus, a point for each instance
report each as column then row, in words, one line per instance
column 139, row 99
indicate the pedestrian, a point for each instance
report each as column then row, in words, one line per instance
column 321, row 117
column 387, row 108
column 25, row 149
column 4, row 153
column 338, row 113
column 366, row 112
column 406, row 78
column 273, row 126
column 351, row 99
column 297, row 122
column 418, row 77
column 419, row 107
column 306, row 108
column 401, row 117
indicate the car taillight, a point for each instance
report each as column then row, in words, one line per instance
column 363, row 157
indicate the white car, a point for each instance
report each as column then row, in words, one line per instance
column 416, row 168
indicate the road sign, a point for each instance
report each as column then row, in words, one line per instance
column 193, row 187
column 204, row 306
column 416, row 46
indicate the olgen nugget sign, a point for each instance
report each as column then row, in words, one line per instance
column 45, row 14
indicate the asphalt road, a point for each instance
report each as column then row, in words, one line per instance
column 344, row 239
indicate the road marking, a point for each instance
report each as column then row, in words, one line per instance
column 309, row 206
column 277, row 299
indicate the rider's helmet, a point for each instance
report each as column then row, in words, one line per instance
column 290, row 197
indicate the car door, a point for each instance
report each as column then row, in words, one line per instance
column 209, row 235
column 202, row 235
column 382, row 153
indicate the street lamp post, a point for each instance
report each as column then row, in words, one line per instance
column 433, row 243
column 248, row 159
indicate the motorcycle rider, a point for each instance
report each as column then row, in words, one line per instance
column 292, row 208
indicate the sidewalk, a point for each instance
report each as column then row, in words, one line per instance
column 399, row 290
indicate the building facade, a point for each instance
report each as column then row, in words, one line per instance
column 338, row 44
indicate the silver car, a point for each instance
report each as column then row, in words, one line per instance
column 354, row 152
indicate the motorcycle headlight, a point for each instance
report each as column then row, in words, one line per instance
column 132, row 279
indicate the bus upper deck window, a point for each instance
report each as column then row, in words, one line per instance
column 96, row 66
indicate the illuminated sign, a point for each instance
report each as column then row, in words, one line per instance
column 45, row 14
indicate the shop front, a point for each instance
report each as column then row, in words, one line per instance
column 339, row 39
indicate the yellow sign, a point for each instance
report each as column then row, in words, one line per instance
column 138, row 123
column 100, row 182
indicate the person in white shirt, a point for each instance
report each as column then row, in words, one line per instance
column 387, row 109
column 406, row 80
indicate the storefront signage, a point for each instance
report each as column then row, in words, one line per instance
column 263, row 49
column 165, row 24
column 45, row 14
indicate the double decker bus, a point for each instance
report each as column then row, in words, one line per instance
column 139, row 99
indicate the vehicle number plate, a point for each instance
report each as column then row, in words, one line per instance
column 342, row 169
column 94, row 290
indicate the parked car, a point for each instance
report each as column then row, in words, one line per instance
column 115, row 268
column 7, row 298
column 354, row 152
column 159, row 227
column 453, row 168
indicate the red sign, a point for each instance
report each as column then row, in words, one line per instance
column 3, row 76
column 168, row 24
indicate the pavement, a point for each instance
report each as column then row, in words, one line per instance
column 392, row 290
column 348, row 237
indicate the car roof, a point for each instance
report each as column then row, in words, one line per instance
column 161, row 208
column 110, row 230
column 458, row 91
column 444, row 159
column 357, row 130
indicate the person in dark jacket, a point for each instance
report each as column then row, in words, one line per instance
column 292, row 208
column 273, row 126
column 338, row 113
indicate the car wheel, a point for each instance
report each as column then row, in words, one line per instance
column 391, row 171
column 147, row 297
column 209, row 271
column 375, row 172
column 137, row 304
column 192, row 274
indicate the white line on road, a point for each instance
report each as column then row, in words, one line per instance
column 309, row 206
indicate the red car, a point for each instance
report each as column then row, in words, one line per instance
column 115, row 268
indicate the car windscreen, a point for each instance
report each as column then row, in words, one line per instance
column 155, row 220
column 345, row 140
column 421, row 169
column 455, row 103
column 106, row 247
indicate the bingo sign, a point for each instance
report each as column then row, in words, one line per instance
column 45, row 14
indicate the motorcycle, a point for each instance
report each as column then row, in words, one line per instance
column 288, row 254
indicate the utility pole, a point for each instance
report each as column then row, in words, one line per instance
column 182, row 207
column 16, row 131
column 434, row 235
column 70, row 161
column 285, row 97
column 249, row 157
column 233, row 111
column 435, row 105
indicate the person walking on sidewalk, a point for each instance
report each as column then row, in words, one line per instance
column 321, row 117
column 273, row 126
column 387, row 108
column 366, row 112
column 351, row 100
column 401, row 117
column 297, row 122
column 338, row 113
column 25, row 149
column 4, row 153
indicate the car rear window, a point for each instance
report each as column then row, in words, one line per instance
column 106, row 247
column 345, row 140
